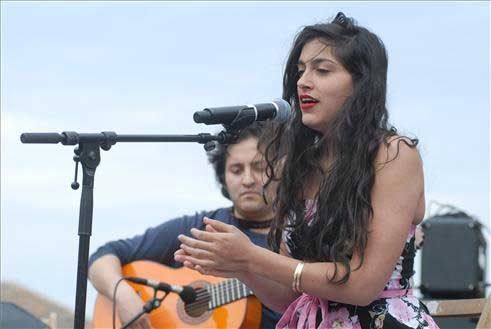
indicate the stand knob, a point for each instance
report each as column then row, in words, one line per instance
column 209, row 146
column 75, row 185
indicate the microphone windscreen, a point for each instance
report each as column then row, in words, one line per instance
column 284, row 110
column 188, row 294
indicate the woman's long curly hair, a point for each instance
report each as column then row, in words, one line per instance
column 352, row 139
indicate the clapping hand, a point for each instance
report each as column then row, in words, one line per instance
column 219, row 250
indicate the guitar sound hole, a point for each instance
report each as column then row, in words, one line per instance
column 200, row 305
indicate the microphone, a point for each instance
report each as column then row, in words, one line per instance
column 243, row 115
column 187, row 293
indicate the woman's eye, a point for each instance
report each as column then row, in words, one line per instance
column 300, row 73
column 322, row 71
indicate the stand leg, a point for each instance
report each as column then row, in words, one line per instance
column 81, row 297
column 90, row 158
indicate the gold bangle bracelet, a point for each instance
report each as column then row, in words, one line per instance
column 297, row 274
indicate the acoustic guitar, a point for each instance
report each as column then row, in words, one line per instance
column 220, row 303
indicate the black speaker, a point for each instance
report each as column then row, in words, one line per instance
column 449, row 322
column 453, row 259
column 15, row 317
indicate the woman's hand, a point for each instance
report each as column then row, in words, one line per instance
column 219, row 250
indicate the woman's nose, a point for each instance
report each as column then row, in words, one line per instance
column 305, row 82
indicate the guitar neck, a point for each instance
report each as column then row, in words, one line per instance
column 226, row 292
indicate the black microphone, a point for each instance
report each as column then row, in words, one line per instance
column 278, row 109
column 187, row 293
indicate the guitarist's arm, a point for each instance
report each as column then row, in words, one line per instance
column 104, row 273
column 156, row 244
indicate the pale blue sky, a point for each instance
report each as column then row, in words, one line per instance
column 134, row 67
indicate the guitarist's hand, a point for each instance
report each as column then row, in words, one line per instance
column 128, row 305
column 220, row 250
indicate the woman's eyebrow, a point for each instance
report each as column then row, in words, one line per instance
column 317, row 61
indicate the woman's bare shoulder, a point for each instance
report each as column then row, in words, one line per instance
column 399, row 149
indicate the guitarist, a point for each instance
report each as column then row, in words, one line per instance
column 240, row 172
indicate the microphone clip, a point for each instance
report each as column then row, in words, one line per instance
column 227, row 136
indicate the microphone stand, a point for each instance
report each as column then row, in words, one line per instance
column 149, row 306
column 88, row 153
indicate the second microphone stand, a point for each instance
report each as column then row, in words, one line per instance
column 149, row 306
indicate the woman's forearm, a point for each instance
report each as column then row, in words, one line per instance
column 271, row 293
column 266, row 265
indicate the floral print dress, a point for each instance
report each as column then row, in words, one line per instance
column 395, row 307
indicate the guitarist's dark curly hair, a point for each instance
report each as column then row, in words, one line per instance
column 218, row 156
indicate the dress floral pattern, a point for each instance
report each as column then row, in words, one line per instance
column 395, row 308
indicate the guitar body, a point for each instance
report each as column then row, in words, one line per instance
column 242, row 313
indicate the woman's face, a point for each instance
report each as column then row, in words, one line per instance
column 323, row 85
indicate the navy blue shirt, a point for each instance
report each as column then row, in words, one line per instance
column 159, row 243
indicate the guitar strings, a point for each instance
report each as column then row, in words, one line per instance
column 203, row 296
column 201, row 300
column 223, row 290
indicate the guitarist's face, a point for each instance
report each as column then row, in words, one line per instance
column 245, row 174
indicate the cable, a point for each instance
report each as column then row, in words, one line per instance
column 114, row 301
